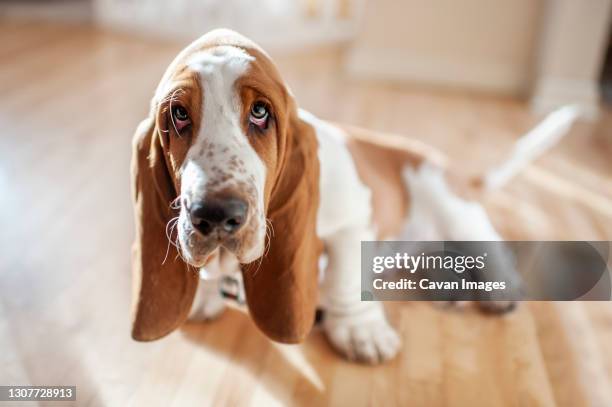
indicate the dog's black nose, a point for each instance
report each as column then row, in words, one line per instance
column 225, row 214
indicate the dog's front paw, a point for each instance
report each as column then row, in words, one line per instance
column 363, row 337
column 207, row 309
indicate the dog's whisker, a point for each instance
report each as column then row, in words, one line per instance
column 173, row 99
column 267, row 244
column 176, row 203
column 169, row 229
column 269, row 236
column 175, row 242
column 260, row 260
column 179, row 251
column 269, row 223
column 172, row 224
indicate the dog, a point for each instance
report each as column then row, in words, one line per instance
column 253, row 186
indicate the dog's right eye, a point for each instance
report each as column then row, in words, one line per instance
column 180, row 117
column 259, row 115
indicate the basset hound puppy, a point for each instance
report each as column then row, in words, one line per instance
column 230, row 176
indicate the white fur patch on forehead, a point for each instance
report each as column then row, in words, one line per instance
column 226, row 59
column 221, row 148
column 219, row 68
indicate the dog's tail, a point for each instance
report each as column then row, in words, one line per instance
column 532, row 145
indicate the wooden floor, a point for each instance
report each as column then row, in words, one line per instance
column 70, row 99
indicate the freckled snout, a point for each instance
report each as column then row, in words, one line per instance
column 224, row 215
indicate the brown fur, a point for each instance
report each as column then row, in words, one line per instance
column 163, row 290
column 379, row 159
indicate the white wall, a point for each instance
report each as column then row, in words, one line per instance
column 278, row 24
column 482, row 44
column 550, row 49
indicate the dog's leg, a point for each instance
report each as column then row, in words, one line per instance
column 469, row 221
column 357, row 329
column 208, row 303
column 436, row 207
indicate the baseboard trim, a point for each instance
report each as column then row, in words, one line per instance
column 400, row 65
column 552, row 92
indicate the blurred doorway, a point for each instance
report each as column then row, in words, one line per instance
column 78, row 11
column 606, row 75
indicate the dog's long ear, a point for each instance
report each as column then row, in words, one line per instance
column 282, row 290
column 163, row 288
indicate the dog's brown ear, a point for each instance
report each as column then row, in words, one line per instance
column 281, row 288
column 163, row 287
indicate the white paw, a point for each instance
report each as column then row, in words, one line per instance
column 207, row 309
column 364, row 337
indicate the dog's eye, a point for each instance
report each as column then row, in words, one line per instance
column 180, row 116
column 259, row 115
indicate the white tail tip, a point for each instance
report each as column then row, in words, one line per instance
column 532, row 145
